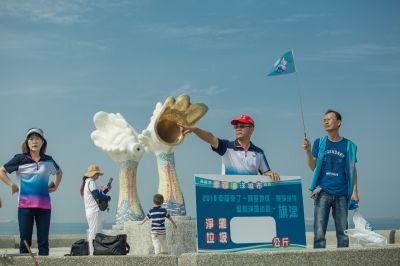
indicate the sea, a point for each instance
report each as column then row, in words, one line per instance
column 11, row 227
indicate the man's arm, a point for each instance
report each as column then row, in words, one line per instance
column 202, row 134
column 7, row 180
column 355, row 187
column 310, row 157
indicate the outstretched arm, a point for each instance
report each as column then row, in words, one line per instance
column 144, row 220
column 202, row 134
column 172, row 221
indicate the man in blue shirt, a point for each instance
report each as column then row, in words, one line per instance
column 332, row 160
column 241, row 156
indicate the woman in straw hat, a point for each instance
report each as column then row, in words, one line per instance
column 33, row 169
column 90, row 193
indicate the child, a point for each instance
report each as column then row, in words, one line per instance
column 89, row 192
column 157, row 216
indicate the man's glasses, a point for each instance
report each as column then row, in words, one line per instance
column 241, row 126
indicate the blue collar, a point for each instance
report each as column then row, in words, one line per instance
column 237, row 145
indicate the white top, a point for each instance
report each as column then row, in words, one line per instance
column 237, row 161
column 90, row 202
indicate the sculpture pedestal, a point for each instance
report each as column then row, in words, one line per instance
column 179, row 240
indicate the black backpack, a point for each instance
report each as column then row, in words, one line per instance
column 103, row 204
column 110, row 245
column 80, row 248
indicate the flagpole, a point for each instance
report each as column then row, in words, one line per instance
column 300, row 97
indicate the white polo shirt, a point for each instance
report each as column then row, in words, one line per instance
column 237, row 161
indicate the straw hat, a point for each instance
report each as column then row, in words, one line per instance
column 92, row 170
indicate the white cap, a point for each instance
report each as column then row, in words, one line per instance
column 35, row 130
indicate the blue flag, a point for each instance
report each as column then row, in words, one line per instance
column 284, row 65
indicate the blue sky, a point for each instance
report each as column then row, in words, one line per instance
column 62, row 61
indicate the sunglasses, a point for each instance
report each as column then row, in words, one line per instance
column 241, row 126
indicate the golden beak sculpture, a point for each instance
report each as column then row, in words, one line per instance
column 162, row 137
column 174, row 112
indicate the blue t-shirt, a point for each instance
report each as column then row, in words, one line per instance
column 332, row 177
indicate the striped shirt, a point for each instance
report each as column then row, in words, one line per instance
column 157, row 216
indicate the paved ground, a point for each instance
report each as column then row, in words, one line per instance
column 53, row 251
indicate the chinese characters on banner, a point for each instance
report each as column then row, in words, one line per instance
column 237, row 213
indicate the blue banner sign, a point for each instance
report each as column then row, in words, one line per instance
column 249, row 213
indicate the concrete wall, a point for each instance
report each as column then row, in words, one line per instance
column 388, row 255
column 54, row 241
column 180, row 240
column 93, row 260
column 183, row 239
column 140, row 240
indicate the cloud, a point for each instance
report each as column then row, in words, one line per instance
column 354, row 52
column 34, row 91
column 175, row 31
column 222, row 113
column 335, row 33
column 392, row 69
column 13, row 41
column 54, row 11
column 51, row 11
column 197, row 37
column 36, row 44
column 302, row 17
column 271, row 112
column 195, row 92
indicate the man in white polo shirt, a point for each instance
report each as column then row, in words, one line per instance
column 241, row 156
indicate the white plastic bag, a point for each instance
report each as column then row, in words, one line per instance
column 364, row 232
